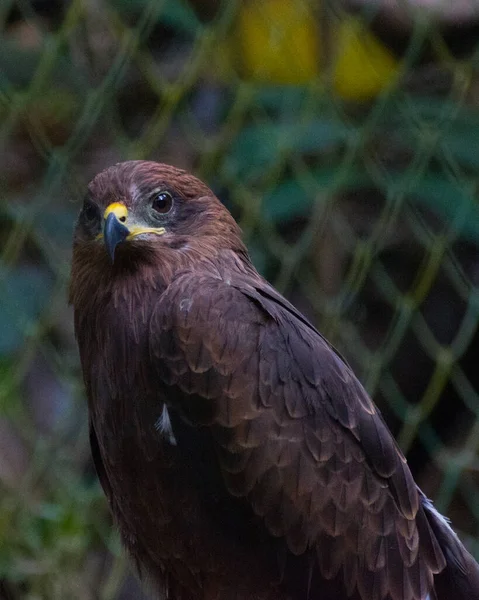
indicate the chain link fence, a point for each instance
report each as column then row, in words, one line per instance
column 344, row 137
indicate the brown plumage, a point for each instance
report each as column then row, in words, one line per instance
column 240, row 456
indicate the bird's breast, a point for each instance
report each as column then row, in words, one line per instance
column 161, row 475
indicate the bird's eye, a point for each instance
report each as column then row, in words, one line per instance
column 162, row 203
column 90, row 211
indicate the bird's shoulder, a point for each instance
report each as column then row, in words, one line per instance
column 246, row 340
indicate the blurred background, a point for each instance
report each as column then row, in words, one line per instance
column 343, row 136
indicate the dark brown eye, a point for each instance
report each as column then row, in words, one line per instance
column 91, row 211
column 162, row 202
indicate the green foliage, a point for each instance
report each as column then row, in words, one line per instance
column 176, row 14
column 51, row 527
column 25, row 292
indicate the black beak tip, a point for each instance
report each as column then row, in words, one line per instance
column 114, row 233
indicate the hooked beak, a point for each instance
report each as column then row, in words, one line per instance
column 114, row 233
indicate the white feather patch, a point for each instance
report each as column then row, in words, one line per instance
column 444, row 520
column 163, row 426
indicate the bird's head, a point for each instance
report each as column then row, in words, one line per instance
column 142, row 206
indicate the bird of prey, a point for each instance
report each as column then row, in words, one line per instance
column 241, row 457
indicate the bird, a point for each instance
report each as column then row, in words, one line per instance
column 240, row 456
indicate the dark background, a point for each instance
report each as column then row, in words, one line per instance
column 344, row 137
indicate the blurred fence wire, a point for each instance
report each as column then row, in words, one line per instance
column 343, row 136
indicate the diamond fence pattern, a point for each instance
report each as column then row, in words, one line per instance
column 344, row 139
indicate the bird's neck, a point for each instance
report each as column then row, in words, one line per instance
column 130, row 285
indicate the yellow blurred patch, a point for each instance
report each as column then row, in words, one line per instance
column 363, row 65
column 278, row 41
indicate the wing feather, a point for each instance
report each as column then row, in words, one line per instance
column 296, row 433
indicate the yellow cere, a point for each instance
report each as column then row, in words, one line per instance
column 118, row 209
